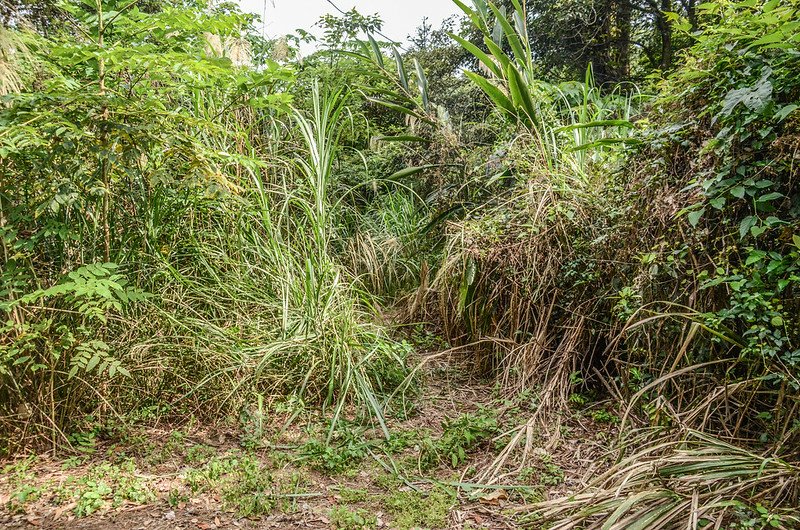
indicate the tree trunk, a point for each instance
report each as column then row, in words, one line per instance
column 622, row 39
column 665, row 31
column 104, row 169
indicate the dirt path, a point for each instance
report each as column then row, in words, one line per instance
column 252, row 473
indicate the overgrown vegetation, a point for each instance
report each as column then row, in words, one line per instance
column 196, row 223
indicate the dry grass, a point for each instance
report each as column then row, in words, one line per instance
column 692, row 482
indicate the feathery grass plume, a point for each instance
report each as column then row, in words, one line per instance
column 12, row 54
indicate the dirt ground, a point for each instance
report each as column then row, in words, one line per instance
column 227, row 476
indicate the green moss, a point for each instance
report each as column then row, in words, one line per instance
column 351, row 495
column 344, row 518
column 410, row 509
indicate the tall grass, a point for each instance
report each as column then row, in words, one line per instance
column 302, row 326
column 504, row 268
column 251, row 292
column 561, row 125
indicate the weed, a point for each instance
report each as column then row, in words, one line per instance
column 176, row 496
column 351, row 495
column 199, row 453
column 252, row 421
column 345, row 452
column 423, row 339
column 245, row 485
column 21, row 479
column 459, row 437
column 242, row 482
column 388, row 481
column 24, row 494
column 544, row 473
column 603, row 416
column 84, row 441
column 73, row 462
column 344, row 518
column 19, row 467
column 411, row 509
column 402, row 440
column 104, row 486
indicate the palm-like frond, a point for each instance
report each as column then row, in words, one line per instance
column 696, row 482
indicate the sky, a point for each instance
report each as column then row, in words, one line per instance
column 400, row 17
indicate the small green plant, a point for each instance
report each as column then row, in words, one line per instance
column 344, row 518
column 423, row 339
column 603, row 416
column 350, row 495
column 402, row 440
column 579, row 399
column 250, row 490
column 21, row 479
column 24, row 494
column 73, row 462
column 176, row 496
column 388, row 481
column 103, row 486
column 245, row 485
column 412, row 509
column 459, row 437
column 551, row 474
column 543, row 473
column 253, row 422
column 344, row 452
column 199, row 453
column 83, row 441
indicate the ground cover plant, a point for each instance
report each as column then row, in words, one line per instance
column 508, row 275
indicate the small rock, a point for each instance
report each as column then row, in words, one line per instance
column 170, row 515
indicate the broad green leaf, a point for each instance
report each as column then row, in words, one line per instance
column 422, row 83
column 511, row 35
column 495, row 94
column 785, row 111
column 376, row 50
column 694, row 216
column 520, row 94
column 92, row 362
column 746, row 224
column 402, row 138
column 478, row 54
column 401, row 69
column 754, row 98
column 409, row 171
column 770, row 197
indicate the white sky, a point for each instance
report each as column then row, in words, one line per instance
column 400, row 17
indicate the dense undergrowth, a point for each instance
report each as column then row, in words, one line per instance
column 194, row 224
